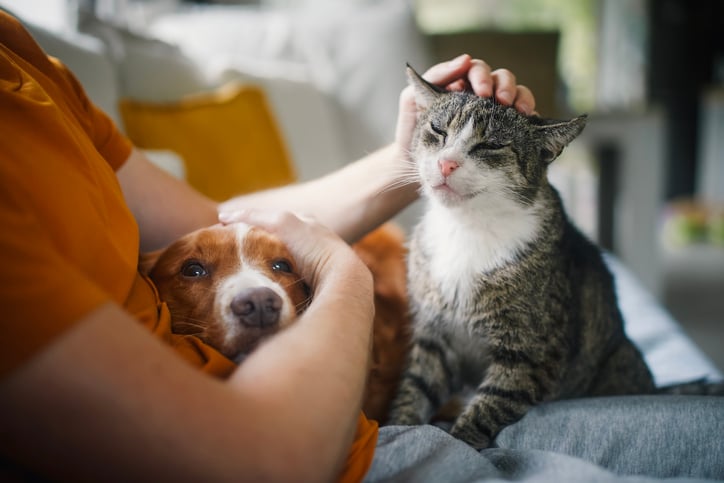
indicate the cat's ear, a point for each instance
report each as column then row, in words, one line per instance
column 425, row 93
column 556, row 135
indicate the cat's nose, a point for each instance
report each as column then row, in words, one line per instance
column 447, row 166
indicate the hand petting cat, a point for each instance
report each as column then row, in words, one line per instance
column 464, row 73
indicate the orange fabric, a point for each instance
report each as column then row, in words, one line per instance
column 144, row 304
column 362, row 451
column 68, row 242
column 67, row 237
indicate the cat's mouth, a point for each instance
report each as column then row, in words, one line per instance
column 449, row 194
column 444, row 188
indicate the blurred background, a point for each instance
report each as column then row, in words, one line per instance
column 645, row 180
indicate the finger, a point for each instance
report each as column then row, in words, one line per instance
column 505, row 86
column 227, row 217
column 446, row 72
column 524, row 100
column 458, row 86
column 480, row 78
column 268, row 220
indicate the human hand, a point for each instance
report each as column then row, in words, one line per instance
column 320, row 254
column 464, row 73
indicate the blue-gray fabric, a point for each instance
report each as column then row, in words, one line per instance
column 616, row 439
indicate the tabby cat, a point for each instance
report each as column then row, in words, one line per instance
column 507, row 296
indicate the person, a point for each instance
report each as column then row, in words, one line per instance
column 86, row 392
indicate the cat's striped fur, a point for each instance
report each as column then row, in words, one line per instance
column 506, row 294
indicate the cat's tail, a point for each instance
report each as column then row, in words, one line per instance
column 698, row 387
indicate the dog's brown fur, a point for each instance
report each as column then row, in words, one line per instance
column 191, row 301
column 382, row 251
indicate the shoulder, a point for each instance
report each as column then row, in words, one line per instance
column 18, row 42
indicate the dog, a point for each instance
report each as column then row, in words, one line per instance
column 234, row 286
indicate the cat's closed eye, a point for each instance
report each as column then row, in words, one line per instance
column 488, row 146
column 438, row 130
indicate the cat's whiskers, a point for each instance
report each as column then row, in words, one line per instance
column 404, row 174
column 407, row 166
column 408, row 171
column 399, row 183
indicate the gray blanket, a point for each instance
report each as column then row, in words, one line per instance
column 617, row 439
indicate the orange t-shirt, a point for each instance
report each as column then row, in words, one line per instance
column 68, row 241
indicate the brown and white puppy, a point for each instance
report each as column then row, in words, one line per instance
column 234, row 286
column 231, row 286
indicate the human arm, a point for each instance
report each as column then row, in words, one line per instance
column 352, row 200
column 363, row 194
column 124, row 407
column 164, row 207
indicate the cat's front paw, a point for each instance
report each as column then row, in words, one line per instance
column 470, row 435
column 403, row 416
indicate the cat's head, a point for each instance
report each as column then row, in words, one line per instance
column 466, row 147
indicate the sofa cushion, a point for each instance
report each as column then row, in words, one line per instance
column 228, row 138
column 354, row 52
column 147, row 69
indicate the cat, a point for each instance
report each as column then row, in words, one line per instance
column 506, row 294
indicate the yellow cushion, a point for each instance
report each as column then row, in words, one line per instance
column 228, row 139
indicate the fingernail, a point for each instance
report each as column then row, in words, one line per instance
column 524, row 108
column 505, row 98
column 458, row 61
column 228, row 216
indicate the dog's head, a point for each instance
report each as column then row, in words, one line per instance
column 231, row 286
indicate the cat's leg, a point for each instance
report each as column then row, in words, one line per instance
column 429, row 380
column 624, row 372
column 504, row 396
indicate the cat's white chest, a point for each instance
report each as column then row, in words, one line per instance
column 466, row 243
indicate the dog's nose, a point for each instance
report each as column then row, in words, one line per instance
column 257, row 307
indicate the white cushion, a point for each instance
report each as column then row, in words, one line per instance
column 355, row 52
column 148, row 69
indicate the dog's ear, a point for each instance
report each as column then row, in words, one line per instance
column 146, row 261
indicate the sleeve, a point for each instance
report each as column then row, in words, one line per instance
column 113, row 145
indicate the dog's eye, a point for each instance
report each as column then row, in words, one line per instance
column 281, row 266
column 193, row 270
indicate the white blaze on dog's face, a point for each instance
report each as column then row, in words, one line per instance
column 231, row 286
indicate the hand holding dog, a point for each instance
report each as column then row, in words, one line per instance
column 320, row 253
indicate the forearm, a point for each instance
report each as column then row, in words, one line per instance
column 165, row 208
column 351, row 201
column 320, row 366
column 125, row 408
